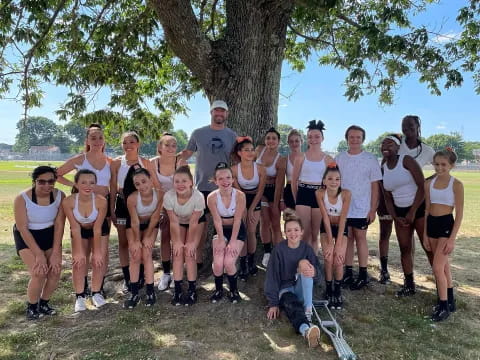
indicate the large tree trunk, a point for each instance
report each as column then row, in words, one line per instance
column 243, row 67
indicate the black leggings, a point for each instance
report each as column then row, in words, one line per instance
column 294, row 310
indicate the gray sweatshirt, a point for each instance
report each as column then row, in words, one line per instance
column 282, row 268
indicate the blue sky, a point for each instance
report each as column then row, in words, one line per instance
column 317, row 93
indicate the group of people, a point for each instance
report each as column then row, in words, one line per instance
column 326, row 202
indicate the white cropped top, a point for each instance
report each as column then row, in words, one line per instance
column 103, row 175
column 248, row 184
column 442, row 196
column 146, row 210
column 41, row 217
column 223, row 211
column 88, row 219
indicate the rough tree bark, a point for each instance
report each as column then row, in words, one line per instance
column 243, row 67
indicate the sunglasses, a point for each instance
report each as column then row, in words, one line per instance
column 45, row 182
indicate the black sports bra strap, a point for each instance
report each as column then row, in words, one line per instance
column 34, row 196
column 52, row 199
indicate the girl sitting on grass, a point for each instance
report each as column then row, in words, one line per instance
column 334, row 204
column 289, row 281
column 443, row 194
column 86, row 213
column 38, row 232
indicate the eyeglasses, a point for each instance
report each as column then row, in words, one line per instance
column 45, row 182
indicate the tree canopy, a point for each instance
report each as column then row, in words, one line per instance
column 153, row 56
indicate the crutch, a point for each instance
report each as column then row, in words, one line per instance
column 333, row 330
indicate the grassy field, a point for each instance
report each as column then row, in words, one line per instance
column 376, row 324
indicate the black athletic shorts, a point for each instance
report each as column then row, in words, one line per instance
column 205, row 195
column 249, row 199
column 403, row 211
column 143, row 226
column 269, row 192
column 43, row 238
column 121, row 210
column 306, row 195
column 439, row 226
column 201, row 219
column 288, row 197
column 334, row 230
column 88, row 233
column 358, row 223
column 227, row 232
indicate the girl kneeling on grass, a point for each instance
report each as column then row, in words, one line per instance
column 38, row 232
column 443, row 194
column 144, row 204
column 89, row 227
column 334, row 204
column 289, row 281
column 227, row 206
column 185, row 207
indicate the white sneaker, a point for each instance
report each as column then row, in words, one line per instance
column 80, row 304
column 312, row 336
column 266, row 258
column 164, row 282
column 98, row 300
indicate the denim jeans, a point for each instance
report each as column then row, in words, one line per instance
column 295, row 299
column 303, row 289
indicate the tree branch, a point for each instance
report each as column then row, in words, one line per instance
column 202, row 10
column 32, row 50
column 348, row 20
column 185, row 36
column 310, row 38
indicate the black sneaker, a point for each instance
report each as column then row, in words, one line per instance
column 32, row 313
column 452, row 307
column 243, row 275
column 45, row 309
column 150, row 299
column 338, row 302
column 126, row 288
column 216, row 297
column 191, row 298
column 347, row 280
column 234, row 297
column 406, row 290
column 132, row 301
column 440, row 315
column 177, row 299
column 252, row 269
column 359, row 284
column 384, row 277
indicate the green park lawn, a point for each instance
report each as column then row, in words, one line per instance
column 375, row 323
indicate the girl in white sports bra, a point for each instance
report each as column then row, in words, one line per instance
column 443, row 195
column 295, row 141
column 227, row 206
column 38, row 233
column 94, row 159
column 118, row 207
column 250, row 178
column 165, row 165
column 306, row 179
column 334, row 203
column 86, row 212
column 144, row 204
column 269, row 157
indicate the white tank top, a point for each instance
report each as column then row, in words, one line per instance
column 400, row 182
column 165, row 181
column 248, row 184
column 146, row 210
column 442, row 196
column 103, row 175
column 333, row 209
column 39, row 216
column 82, row 219
column 123, row 170
column 289, row 168
column 222, row 210
column 312, row 171
column 271, row 171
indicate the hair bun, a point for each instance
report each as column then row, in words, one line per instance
column 316, row 125
column 221, row 165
